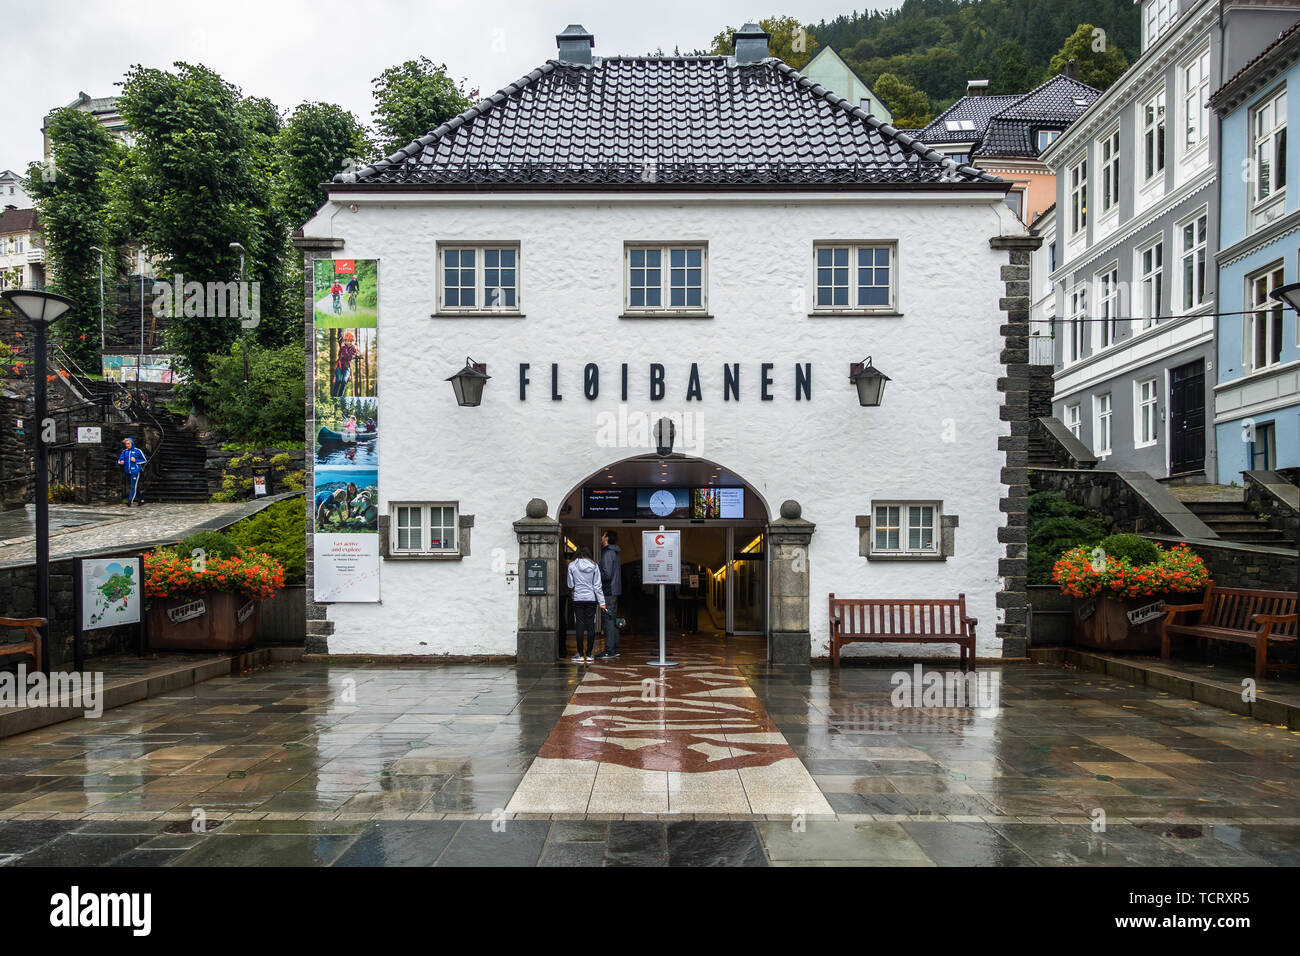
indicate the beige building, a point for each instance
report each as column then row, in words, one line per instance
column 22, row 257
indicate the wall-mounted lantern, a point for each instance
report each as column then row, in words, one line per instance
column 870, row 382
column 468, row 383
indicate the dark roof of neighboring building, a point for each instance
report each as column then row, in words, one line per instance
column 669, row 122
column 1004, row 125
column 17, row 220
column 1236, row 80
column 1054, row 105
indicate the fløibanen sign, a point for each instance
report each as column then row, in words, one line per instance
column 656, row 384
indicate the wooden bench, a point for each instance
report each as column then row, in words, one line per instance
column 1240, row 615
column 902, row 621
column 31, row 642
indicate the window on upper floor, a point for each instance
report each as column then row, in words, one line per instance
column 1078, row 321
column 855, row 277
column 1108, row 306
column 666, row 278
column 1151, row 281
column 478, row 278
column 1263, row 344
column 1146, row 406
column 1268, row 146
column 1110, row 172
column 1051, row 257
column 1101, row 419
column 1078, row 198
column 1159, row 14
column 1153, row 136
column 1046, row 137
column 1191, row 255
column 1074, row 419
column 1196, row 100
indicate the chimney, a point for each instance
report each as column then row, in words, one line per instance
column 751, row 44
column 977, row 87
column 1072, row 69
column 575, row 44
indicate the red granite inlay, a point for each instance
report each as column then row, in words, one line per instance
column 691, row 718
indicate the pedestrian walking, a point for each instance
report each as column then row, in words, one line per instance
column 611, row 579
column 132, row 461
column 584, row 581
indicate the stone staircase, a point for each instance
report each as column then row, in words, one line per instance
column 1224, row 509
column 181, row 462
column 1040, row 453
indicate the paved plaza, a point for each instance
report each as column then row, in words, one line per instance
column 320, row 764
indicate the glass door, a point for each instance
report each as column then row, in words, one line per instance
column 746, row 580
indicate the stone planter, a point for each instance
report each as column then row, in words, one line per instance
column 1122, row 624
column 213, row 621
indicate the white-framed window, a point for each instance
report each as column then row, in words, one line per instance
column 1046, row 137
column 1110, row 172
column 905, row 527
column 423, row 527
column 1268, row 146
column 1153, row 136
column 1263, row 345
column 1077, row 320
column 1107, row 306
column 1101, row 434
column 1191, row 258
column 1151, row 281
column 1078, row 197
column 1196, row 100
column 666, row 277
column 1159, row 14
column 1074, row 419
column 476, row 277
column 1146, row 406
column 855, row 277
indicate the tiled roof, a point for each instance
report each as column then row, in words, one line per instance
column 1263, row 54
column 664, row 122
column 17, row 220
column 1054, row 105
column 964, row 121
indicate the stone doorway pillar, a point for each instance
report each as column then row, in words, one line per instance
column 788, row 539
column 539, row 540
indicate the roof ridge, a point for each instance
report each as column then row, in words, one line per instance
column 416, row 146
column 1042, row 86
column 904, row 140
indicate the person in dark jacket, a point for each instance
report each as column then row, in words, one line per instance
column 611, row 579
column 584, row 579
column 132, row 462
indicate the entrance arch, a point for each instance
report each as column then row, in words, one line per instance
column 725, row 522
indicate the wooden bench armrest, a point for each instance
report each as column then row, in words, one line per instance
column 1273, row 618
column 972, row 621
column 1172, row 609
column 23, row 622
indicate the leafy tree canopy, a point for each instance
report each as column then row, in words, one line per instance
column 909, row 106
column 1100, row 62
column 412, row 99
column 790, row 40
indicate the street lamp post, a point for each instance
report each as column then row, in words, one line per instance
column 41, row 309
column 243, row 342
column 101, row 305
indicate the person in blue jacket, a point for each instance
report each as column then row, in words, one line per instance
column 132, row 462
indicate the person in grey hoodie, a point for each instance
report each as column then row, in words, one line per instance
column 611, row 579
column 584, row 580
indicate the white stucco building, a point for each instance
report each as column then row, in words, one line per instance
column 707, row 240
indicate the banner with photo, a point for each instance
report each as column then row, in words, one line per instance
column 345, row 375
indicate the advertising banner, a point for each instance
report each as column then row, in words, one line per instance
column 346, row 424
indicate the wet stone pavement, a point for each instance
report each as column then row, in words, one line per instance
column 313, row 764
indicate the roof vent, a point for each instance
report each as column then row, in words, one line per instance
column 575, row 44
column 1072, row 70
column 977, row 87
column 751, row 43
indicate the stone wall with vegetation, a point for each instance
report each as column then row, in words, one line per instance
column 231, row 468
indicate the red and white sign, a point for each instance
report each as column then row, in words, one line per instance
column 661, row 557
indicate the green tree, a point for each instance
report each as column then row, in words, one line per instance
column 317, row 141
column 909, row 106
column 790, row 40
column 415, row 98
column 1013, row 72
column 1100, row 62
column 256, row 394
column 72, row 204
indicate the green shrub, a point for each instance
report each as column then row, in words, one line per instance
column 280, row 461
column 281, row 532
column 1055, row 526
column 1138, row 550
column 216, row 544
column 266, row 410
column 296, row 480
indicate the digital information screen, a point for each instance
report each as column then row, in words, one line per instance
column 609, row 502
column 718, row 503
column 663, row 503
column 707, row 503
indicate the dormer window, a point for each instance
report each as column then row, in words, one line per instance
column 1046, row 137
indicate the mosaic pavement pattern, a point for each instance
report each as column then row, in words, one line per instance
column 319, row 764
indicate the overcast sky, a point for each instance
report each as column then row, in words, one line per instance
column 292, row 50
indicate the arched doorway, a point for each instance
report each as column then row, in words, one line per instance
column 722, row 599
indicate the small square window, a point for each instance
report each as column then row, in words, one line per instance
column 423, row 528
column 854, row 277
column 666, row 278
column 905, row 529
column 480, row 278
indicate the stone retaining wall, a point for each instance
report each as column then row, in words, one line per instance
column 1234, row 565
column 282, row 467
